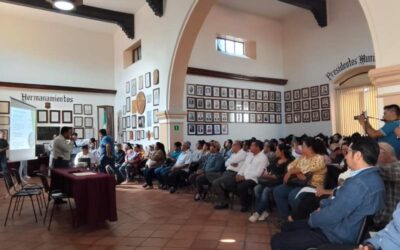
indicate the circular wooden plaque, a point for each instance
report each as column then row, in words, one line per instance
column 141, row 102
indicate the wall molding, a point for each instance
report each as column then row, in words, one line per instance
column 53, row 87
column 231, row 76
column 387, row 76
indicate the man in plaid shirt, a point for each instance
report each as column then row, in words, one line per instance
column 389, row 167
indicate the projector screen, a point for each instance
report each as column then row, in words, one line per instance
column 22, row 131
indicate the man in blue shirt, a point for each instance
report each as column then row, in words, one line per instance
column 107, row 152
column 391, row 116
column 339, row 218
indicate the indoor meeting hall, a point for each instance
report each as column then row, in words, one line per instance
column 199, row 124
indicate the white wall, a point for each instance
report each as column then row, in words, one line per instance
column 310, row 51
column 265, row 32
column 40, row 51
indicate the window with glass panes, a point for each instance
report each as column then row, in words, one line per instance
column 229, row 46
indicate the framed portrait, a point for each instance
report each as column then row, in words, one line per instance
column 88, row 108
column 217, row 129
column 89, row 133
column 246, row 118
column 191, row 103
column 134, row 121
column 266, row 118
column 191, row 129
column 208, row 117
column 231, row 105
column 252, row 94
column 296, row 94
column 141, row 82
column 265, row 107
column 199, row 90
column 209, row 129
column 278, row 97
column 149, row 119
column 326, row 115
column 191, row 90
column 324, row 89
column 88, row 122
column 224, row 117
column 200, row 103
column 66, row 116
column 306, row 117
column 200, row 116
column 259, row 106
column 142, row 134
column 5, row 120
column 288, row 118
column 231, row 93
column 208, row 104
column 325, row 102
column 271, row 118
column 224, row 92
column 288, row 95
column 252, row 106
column 271, row 96
column 155, row 118
column 216, row 91
column 128, row 87
column 288, row 107
column 156, row 97
column 297, row 117
column 224, row 129
column 246, row 94
column 239, row 105
column 216, row 104
column 128, row 122
column 147, row 80
column 156, row 132
column 131, row 137
column 278, row 107
column 314, row 91
column 252, row 118
column 315, row 116
column 207, row 91
column 80, row 132
column 156, row 76
column 305, row 93
column 123, row 123
column 191, row 116
column 259, row 95
column 305, row 104
column 232, row 117
column 137, row 135
column 78, row 110
column 239, row 117
column 128, row 104
column 217, row 117
column 239, row 94
column 315, row 103
column 199, row 129
column 141, row 122
column 133, row 87
column 278, row 118
column 271, row 107
column 55, row 116
column 245, row 106
column 148, row 98
column 42, row 116
column 265, row 96
column 4, row 107
column 296, row 106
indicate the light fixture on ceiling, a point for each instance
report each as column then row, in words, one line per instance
column 66, row 5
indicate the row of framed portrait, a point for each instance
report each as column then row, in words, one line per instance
column 53, row 116
column 83, row 109
column 138, row 135
column 207, row 129
column 135, row 121
column 84, row 133
column 305, row 93
column 306, row 117
column 227, row 117
column 308, row 104
column 132, row 86
column 221, row 104
column 235, row 93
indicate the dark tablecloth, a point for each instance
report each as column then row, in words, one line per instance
column 94, row 195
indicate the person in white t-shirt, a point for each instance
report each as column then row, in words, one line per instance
column 84, row 154
column 180, row 170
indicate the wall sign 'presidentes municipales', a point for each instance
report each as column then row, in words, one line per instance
column 359, row 60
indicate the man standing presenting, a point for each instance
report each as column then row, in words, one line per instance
column 3, row 154
column 107, row 152
column 62, row 148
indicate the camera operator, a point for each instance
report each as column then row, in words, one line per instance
column 387, row 133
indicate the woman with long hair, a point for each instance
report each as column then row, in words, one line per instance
column 156, row 161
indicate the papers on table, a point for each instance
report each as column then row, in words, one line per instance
column 84, row 174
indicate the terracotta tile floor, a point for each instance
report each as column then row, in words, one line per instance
column 147, row 219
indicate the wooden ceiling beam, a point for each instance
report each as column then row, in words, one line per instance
column 157, row 6
column 317, row 8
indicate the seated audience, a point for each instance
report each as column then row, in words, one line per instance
column 197, row 155
column 119, row 155
column 247, row 177
column 211, row 170
column 157, row 160
column 269, row 151
column 339, row 219
column 388, row 238
column 163, row 171
column 227, row 150
column 132, row 168
column 180, row 170
column 307, row 170
column 85, row 154
column 121, row 170
column 270, row 179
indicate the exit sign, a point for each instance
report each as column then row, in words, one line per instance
column 176, row 128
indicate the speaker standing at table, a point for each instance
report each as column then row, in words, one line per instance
column 107, row 152
column 62, row 148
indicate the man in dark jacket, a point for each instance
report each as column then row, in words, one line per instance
column 339, row 218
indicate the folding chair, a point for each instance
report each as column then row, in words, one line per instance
column 29, row 187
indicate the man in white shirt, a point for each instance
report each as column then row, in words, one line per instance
column 227, row 180
column 85, row 154
column 247, row 176
column 180, row 170
column 62, row 148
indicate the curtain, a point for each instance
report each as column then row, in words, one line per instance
column 351, row 102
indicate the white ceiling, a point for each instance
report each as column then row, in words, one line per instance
column 128, row 6
column 266, row 8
